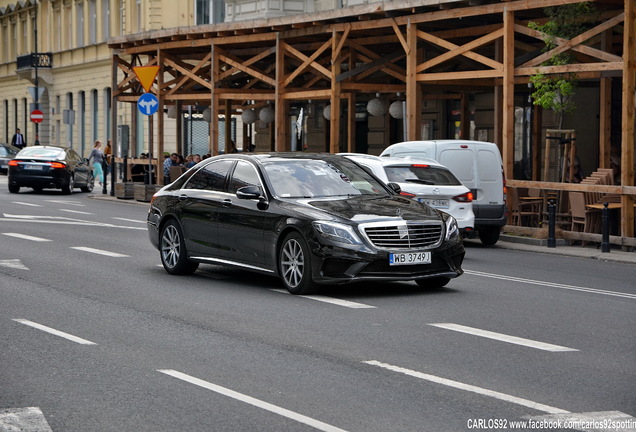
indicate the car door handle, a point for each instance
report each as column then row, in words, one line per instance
column 183, row 197
column 227, row 203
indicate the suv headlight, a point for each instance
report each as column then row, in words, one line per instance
column 452, row 230
column 337, row 233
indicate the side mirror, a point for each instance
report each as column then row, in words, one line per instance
column 253, row 192
column 395, row 188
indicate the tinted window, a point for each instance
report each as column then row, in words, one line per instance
column 244, row 175
column 211, row 177
column 421, row 174
column 37, row 151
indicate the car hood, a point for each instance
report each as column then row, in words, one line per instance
column 364, row 208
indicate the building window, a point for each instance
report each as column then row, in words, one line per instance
column 79, row 12
column 105, row 20
column 92, row 22
column 122, row 16
column 107, row 111
column 68, row 26
column 138, row 12
column 82, row 121
column 94, row 115
column 209, row 11
column 57, row 17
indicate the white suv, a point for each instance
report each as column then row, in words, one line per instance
column 425, row 180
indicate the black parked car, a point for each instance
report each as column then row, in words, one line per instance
column 7, row 152
column 42, row 167
column 311, row 219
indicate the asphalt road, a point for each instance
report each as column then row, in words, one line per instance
column 96, row 336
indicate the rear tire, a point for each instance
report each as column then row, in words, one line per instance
column 294, row 265
column 437, row 282
column 90, row 184
column 174, row 255
column 14, row 189
column 68, row 189
column 489, row 235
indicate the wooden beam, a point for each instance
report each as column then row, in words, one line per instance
column 280, row 107
column 334, row 130
column 413, row 116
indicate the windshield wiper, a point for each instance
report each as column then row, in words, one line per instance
column 426, row 182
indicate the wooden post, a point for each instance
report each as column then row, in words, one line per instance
column 214, row 103
column 334, row 130
column 282, row 143
column 351, row 122
column 508, row 123
column 412, row 114
column 628, row 101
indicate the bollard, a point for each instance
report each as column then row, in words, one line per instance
column 551, row 223
column 605, row 245
column 105, row 175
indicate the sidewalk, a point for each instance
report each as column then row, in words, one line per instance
column 505, row 242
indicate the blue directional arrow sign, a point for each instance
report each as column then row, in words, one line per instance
column 147, row 104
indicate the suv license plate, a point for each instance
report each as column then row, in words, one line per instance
column 409, row 258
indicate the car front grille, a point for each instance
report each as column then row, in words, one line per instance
column 404, row 235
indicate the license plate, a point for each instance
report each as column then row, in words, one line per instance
column 437, row 203
column 34, row 167
column 409, row 258
column 4, row 166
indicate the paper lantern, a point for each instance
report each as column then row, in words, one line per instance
column 396, row 110
column 248, row 116
column 266, row 114
column 172, row 112
column 326, row 112
column 207, row 115
column 376, row 108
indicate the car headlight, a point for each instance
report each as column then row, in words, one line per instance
column 336, row 233
column 452, row 230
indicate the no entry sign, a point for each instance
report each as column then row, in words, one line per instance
column 37, row 116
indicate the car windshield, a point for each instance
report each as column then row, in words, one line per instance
column 314, row 178
column 42, row 152
column 422, row 174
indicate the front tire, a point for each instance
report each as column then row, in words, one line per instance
column 294, row 264
column 490, row 235
column 14, row 188
column 174, row 255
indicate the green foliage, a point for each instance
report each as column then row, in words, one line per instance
column 555, row 92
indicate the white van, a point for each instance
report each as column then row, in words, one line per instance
column 478, row 166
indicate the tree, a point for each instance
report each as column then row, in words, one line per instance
column 556, row 91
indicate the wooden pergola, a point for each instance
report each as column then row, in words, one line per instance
column 421, row 49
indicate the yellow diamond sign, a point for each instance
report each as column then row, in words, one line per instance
column 146, row 75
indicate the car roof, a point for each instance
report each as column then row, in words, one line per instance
column 392, row 160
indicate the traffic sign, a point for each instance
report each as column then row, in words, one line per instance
column 146, row 75
column 148, row 104
column 37, row 116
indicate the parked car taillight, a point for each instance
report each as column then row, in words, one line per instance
column 13, row 162
column 467, row 197
column 57, row 165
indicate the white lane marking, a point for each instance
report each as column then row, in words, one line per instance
column 23, row 419
column 467, row 387
column 503, row 337
column 99, row 252
column 60, row 220
column 339, row 302
column 67, row 202
column 252, row 401
column 26, row 237
column 130, row 220
column 54, row 332
column 13, row 263
column 26, row 204
column 551, row 284
column 76, row 211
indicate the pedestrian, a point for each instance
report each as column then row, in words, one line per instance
column 97, row 157
column 18, row 140
column 171, row 161
column 108, row 152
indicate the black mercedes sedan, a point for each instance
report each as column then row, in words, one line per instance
column 310, row 219
column 7, row 152
column 42, row 167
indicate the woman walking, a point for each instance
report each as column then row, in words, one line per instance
column 98, row 158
